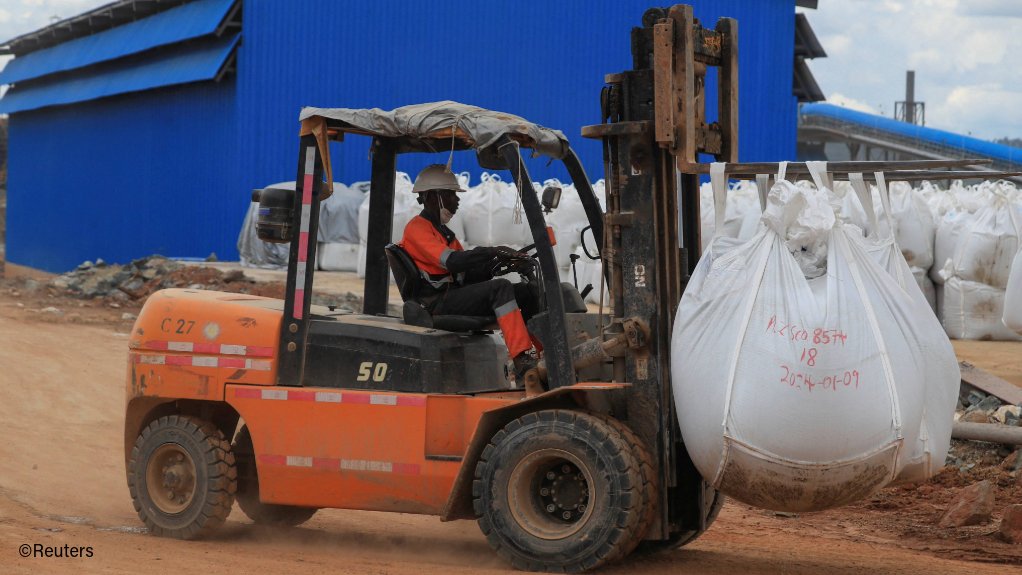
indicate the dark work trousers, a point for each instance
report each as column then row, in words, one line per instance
column 484, row 298
column 512, row 304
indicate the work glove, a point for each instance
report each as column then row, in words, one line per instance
column 504, row 253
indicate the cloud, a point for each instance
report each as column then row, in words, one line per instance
column 991, row 8
column 961, row 57
column 984, row 110
column 839, row 99
column 25, row 16
column 837, row 44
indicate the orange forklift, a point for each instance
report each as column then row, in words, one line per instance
column 289, row 407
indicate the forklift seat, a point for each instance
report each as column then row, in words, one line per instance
column 407, row 275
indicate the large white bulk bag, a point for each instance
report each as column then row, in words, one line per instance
column 338, row 215
column 337, row 256
column 1012, row 316
column 927, row 454
column 986, row 249
column 951, row 229
column 913, row 225
column 796, row 394
column 926, row 286
column 488, row 214
column 910, row 217
column 590, row 272
column 566, row 221
column 741, row 214
column 972, row 310
column 405, row 208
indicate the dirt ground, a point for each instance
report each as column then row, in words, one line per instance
column 62, row 484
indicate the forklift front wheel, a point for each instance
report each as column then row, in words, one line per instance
column 558, row 490
column 181, row 477
column 248, row 490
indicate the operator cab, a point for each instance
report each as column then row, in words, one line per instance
column 421, row 353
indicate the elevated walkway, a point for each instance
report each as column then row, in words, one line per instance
column 821, row 126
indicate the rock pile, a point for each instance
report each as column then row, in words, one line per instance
column 135, row 280
column 974, row 406
column 132, row 283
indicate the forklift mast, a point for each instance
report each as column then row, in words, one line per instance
column 654, row 127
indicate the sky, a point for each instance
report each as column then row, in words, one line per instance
column 967, row 55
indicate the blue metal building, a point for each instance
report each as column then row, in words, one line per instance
column 141, row 127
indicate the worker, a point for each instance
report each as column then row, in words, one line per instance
column 460, row 282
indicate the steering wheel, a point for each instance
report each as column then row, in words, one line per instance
column 505, row 266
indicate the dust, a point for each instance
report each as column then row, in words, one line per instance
column 364, row 533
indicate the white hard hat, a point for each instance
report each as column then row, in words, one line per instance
column 435, row 177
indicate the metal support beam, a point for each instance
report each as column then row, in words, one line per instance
column 381, row 227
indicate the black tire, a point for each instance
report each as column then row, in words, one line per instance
column 679, row 539
column 181, row 477
column 515, row 492
column 649, row 490
column 248, row 490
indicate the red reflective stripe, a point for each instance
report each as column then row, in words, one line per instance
column 231, row 362
column 406, row 468
column 211, row 348
column 206, row 347
column 299, row 303
column 385, row 399
column 273, row 459
column 303, row 246
column 307, row 189
column 301, row 395
column 178, row 360
column 411, row 400
column 326, row 463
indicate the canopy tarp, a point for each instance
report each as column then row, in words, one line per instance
column 417, row 128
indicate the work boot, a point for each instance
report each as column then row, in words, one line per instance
column 527, row 375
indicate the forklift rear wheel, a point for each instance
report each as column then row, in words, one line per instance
column 248, row 490
column 558, row 490
column 181, row 477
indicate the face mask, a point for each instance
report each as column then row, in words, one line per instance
column 445, row 214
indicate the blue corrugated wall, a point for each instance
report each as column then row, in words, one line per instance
column 125, row 177
column 543, row 61
column 169, row 171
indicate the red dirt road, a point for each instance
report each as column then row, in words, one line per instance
column 62, row 483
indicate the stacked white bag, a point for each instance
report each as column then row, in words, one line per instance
column 801, row 394
column 974, row 255
column 590, row 271
column 1012, row 317
column 338, row 228
column 488, row 214
column 743, row 211
column 911, row 221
